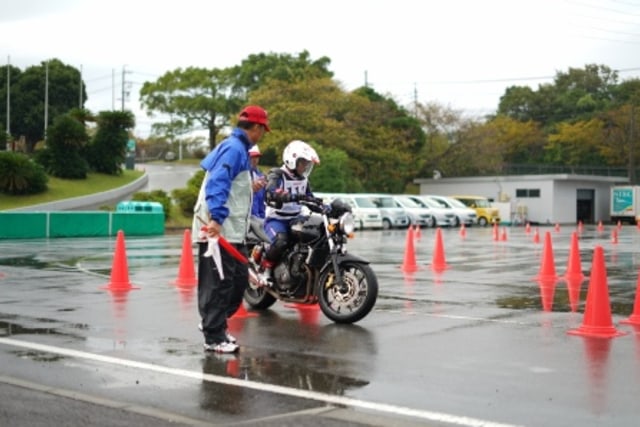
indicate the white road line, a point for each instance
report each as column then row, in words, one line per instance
column 287, row 391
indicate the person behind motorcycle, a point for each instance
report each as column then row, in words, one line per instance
column 258, row 182
column 286, row 186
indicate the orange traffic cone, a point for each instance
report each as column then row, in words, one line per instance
column 574, row 265
column 242, row 312
column 409, row 265
column 614, row 236
column 417, row 232
column 597, row 321
column 547, row 266
column 580, row 226
column 463, row 231
column 547, row 291
column 574, row 276
column 438, row 262
column 634, row 319
column 536, row 236
column 503, row 234
column 547, row 275
column 119, row 269
column 557, row 227
column 308, row 313
column 186, row 272
column 600, row 227
column 527, row 228
column 495, row 232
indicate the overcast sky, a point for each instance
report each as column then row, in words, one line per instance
column 460, row 53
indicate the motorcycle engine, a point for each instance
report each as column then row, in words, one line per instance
column 291, row 274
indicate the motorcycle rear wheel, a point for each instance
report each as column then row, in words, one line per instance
column 258, row 298
column 355, row 299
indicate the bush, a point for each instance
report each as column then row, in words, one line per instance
column 186, row 197
column 20, row 175
column 155, row 196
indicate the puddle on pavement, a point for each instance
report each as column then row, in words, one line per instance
column 313, row 373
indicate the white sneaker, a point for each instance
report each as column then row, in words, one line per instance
column 230, row 337
column 222, row 347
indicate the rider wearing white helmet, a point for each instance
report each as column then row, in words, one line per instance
column 286, row 186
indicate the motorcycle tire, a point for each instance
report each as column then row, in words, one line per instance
column 355, row 299
column 258, row 299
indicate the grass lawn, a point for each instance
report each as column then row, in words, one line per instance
column 67, row 188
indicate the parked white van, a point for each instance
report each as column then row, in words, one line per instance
column 366, row 214
column 393, row 215
column 463, row 214
column 420, row 214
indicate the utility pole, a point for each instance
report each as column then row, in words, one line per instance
column 123, row 88
column 415, row 100
column 46, row 97
column 80, row 85
column 125, row 94
column 632, row 163
column 8, row 128
column 113, row 89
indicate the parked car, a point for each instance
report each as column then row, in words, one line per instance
column 421, row 215
column 393, row 215
column 487, row 214
column 365, row 212
column 442, row 217
column 462, row 213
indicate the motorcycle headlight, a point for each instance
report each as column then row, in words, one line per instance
column 347, row 224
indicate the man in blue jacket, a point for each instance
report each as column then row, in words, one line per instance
column 222, row 210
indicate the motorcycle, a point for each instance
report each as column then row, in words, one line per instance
column 316, row 267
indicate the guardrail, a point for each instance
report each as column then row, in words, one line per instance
column 68, row 218
column 34, row 225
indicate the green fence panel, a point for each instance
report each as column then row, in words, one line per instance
column 79, row 224
column 137, row 223
column 19, row 225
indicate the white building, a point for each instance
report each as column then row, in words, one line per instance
column 543, row 199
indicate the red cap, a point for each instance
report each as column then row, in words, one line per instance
column 255, row 114
column 254, row 151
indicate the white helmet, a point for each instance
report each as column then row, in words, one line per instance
column 300, row 150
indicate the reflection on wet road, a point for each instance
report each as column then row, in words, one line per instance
column 482, row 341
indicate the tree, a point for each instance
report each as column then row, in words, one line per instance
column 63, row 155
column 577, row 94
column 519, row 142
column 107, row 150
column 380, row 138
column 193, row 98
column 257, row 69
column 28, row 98
column 333, row 173
column 576, row 144
column 441, row 126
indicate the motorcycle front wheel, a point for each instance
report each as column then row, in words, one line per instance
column 354, row 299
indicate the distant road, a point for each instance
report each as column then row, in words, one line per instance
column 167, row 176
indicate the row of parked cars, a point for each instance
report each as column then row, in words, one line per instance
column 387, row 211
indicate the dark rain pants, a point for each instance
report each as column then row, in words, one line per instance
column 219, row 299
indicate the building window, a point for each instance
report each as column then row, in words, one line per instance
column 527, row 192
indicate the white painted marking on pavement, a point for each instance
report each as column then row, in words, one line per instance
column 287, row 391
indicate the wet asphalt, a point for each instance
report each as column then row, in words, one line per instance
column 483, row 341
